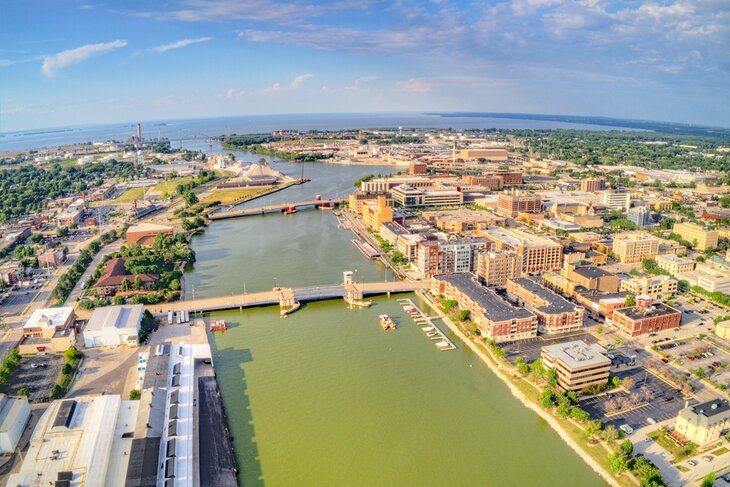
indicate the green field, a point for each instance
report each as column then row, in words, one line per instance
column 230, row 196
column 170, row 184
column 132, row 194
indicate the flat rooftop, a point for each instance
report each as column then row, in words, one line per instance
column 654, row 309
column 123, row 316
column 556, row 303
column 495, row 308
column 48, row 317
column 578, row 354
column 592, row 272
column 711, row 408
column 515, row 238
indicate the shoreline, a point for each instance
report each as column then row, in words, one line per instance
column 520, row 396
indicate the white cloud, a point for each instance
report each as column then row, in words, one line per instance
column 179, row 44
column 275, row 88
column 359, row 82
column 233, row 94
column 297, row 81
column 64, row 59
column 415, row 85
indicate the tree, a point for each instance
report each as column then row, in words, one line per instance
column 22, row 392
column 118, row 300
column 463, row 315
column 610, row 434
column 630, row 300
column 137, row 283
column 627, row 448
column 708, row 480
column 579, row 415
column 599, row 329
column 552, row 377
column 563, row 410
column 134, row 394
column 125, row 284
column 547, row 398
column 618, row 462
column 627, row 383
column 190, row 198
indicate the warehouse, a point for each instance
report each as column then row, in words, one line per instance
column 112, row 326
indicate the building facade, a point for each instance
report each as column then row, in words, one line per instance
column 496, row 268
column 447, row 256
column 674, row 264
column 591, row 185
column 640, row 216
column 646, row 317
column 632, row 248
column 705, row 423
column 554, row 313
column 510, row 204
column 656, row 287
column 698, row 236
column 537, row 254
column 577, row 364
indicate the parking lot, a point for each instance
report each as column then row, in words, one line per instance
column 531, row 348
column 660, row 400
column 37, row 374
column 694, row 354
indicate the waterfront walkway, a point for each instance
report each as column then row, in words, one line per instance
column 280, row 208
column 286, row 297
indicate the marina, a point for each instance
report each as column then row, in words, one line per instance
column 367, row 250
column 426, row 324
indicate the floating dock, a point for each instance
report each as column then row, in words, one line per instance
column 366, row 249
column 428, row 326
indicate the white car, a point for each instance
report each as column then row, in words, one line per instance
column 665, row 454
column 651, row 420
column 626, row 429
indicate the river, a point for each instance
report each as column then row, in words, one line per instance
column 326, row 398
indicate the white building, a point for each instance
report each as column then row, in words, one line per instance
column 616, row 200
column 14, row 416
column 112, row 326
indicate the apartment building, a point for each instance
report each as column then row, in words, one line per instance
column 630, row 248
column 591, row 185
column 492, row 154
column 407, row 196
column 358, row 198
column 705, row 423
column 408, row 245
column 639, row 216
column 656, row 287
column 462, row 220
column 386, row 184
column 497, row 267
column 674, row 264
column 375, row 213
column 591, row 277
column 536, row 254
column 495, row 180
column 616, row 200
column 646, row 317
column 554, row 313
column 447, row 256
column 697, row 235
column 495, row 318
column 510, row 204
column 577, row 364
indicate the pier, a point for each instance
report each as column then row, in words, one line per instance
column 289, row 299
column 280, row 208
column 427, row 325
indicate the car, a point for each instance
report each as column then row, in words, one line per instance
column 708, row 458
column 647, row 439
column 726, row 478
column 35, row 366
column 668, row 398
column 626, row 429
column 637, row 350
column 692, row 463
column 665, row 454
column 611, row 356
column 666, row 361
column 650, row 421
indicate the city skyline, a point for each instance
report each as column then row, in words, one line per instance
column 82, row 63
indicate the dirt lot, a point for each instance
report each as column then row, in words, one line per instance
column 38, row 379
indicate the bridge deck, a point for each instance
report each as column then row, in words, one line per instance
column 274, row 297
column 270, row 208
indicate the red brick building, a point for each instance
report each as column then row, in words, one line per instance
column 646, row 317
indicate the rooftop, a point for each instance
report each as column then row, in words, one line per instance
column 495, row 308
column 49, row 317
column 577, row 354
column 592, row 272
column 556, row 303
column 149, row 227
column 654, row 309
column 125, row 316
column 711, row 408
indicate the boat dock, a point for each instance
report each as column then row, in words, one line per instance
column 427, row 325
column 366, row 249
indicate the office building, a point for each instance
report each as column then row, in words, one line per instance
column 407, row 196
column 674, row 264
column 358, row 198
column 495, row 318
column 577, row 364
column 112, row 326
column 408, row 245
column 494, row 268
column 554, row 313
column 646, row 317
column 510, row 204
column 490, row 153
column 49, row 330
column 656, row 287
column 591, row 277
column 616, row 200
column 446, row 256
column 632, row 248
column 639, row 216
column 705, row 423
column 698, row 236
column 462, row 220
column 375, row 213
column 591, row 185
column 537, row 254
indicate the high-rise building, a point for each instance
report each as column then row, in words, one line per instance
column 616, row 200
column 447, row 256
column 639, row 216
column 631, row 248
column 510, row 204
column 698, row 236
column 495, row 268
column 536, row 254
column 591, row 185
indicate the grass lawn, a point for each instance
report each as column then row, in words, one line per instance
column 170, row 184
column 720, row 451
column 230, row 196
column 130, row 195
column 668, row 444
column 682, row 468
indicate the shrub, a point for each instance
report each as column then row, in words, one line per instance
column 134, row 394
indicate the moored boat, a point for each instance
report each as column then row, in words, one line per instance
column 218, row 325
column 386, row 322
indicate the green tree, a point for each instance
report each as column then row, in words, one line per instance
column 627, row 448
column 190, row 198
column 118, row 300
column 137, row 283
column 609, row 433
column 125, row 284
column 134, row 394
column 547, row 398
column 708, row 480
column 579, row 415
column 630, row 300
column 618, row 463
column 463, row 315
column 23, row 392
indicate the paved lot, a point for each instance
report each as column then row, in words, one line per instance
column 656, row 395
column 217, row 462
column 105, row 370
column 38, row 380
column 531, row 349
column 694, row 353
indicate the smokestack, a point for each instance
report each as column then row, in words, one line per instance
column 139, row 131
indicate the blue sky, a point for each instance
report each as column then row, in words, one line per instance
column 65, row 62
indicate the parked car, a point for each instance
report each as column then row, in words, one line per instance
column 708, row 458
column 665, row 454
column 650, row 421
column 626, row 429
column 692, row 463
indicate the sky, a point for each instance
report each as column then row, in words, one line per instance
column 69, row 62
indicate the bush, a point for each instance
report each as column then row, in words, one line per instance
column 57, row 391
column 67, row 369
column 134, row 395
column 22, row 392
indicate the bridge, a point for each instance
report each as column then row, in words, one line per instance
column 280, row 208
column 289, row 299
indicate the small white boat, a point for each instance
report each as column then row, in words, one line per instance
column 443, row 344
column 427, row 328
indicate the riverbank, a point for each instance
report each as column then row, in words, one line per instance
column 493, row 365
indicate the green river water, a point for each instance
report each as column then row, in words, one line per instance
column 327, row 398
